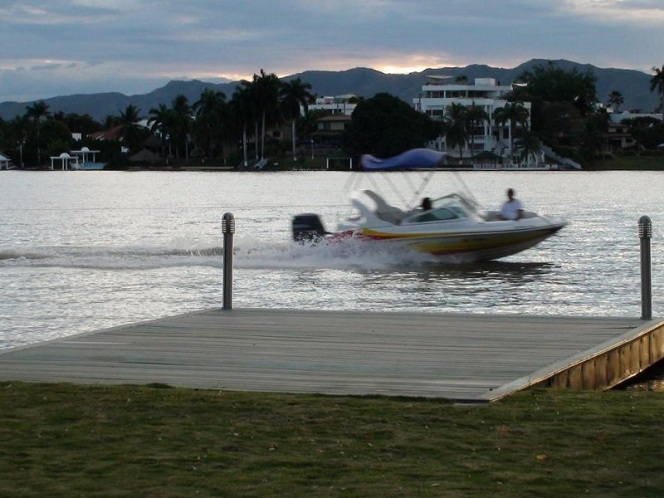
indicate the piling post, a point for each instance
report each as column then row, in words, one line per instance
column 645, row 234
column 228, row 229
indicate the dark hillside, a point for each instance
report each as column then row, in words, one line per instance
column 364, row 82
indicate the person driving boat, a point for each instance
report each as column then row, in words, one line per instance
column 512, row 208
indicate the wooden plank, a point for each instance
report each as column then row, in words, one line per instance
column 463, row 357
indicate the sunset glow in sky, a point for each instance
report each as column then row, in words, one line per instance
column 65, row 47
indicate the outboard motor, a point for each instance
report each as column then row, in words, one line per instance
column 308, row 227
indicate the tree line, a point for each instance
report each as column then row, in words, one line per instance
column 566, row 114
column 204, row 128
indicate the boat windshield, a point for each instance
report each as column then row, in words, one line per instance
column 450, row 207
column 456, row 203
column 440, row 214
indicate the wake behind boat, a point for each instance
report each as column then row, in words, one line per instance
column 453, row 228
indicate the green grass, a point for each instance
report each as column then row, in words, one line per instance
column 64, row 440
column 629, row 163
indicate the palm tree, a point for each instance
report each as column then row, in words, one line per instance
column 161, row 122
column 130, row 129
column 17, row 130
column 616, row 100
column 211, row 112
column 243, row 111
column 266, row 91
column 513, row 113
column 639, row 129
column 657, row 84
column 250, row 104
column 591, row 140
column 182, row 120
column 308, row 122
column 455, row 125
column 295, row 96
column 36, row 112
column 529, row 146
column 110, row 121
column 475, row 116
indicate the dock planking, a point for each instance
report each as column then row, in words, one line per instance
column 461, row 357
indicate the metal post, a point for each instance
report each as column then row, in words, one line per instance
column 228, row 229
column 645, row 234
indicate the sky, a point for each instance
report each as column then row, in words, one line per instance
column 50, row 48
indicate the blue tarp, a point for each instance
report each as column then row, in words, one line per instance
column 411, row 159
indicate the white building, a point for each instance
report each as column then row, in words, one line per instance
column 619, row 117
column 5, row 163
column 341, row 104
column 438, row 94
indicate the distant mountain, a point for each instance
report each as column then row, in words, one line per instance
column 100, row 105
column 364, row 82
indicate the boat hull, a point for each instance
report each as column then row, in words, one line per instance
column 463, row 246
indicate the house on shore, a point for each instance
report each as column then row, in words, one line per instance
column 439, row 93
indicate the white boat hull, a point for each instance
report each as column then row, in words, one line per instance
column 464, row 245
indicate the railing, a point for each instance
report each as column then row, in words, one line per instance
column 548, row 152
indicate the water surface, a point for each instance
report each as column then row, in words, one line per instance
column 83, row 250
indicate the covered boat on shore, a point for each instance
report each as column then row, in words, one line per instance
column 453, row 227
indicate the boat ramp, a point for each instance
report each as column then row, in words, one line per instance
column 469, row 358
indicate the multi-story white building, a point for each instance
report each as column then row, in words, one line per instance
column 340, row 104
column 438, row 95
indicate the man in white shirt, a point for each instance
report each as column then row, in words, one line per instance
column 512, row 209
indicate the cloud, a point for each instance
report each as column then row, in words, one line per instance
column 621, row 12
column 128, row 45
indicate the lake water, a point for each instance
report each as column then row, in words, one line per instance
column 80, row 251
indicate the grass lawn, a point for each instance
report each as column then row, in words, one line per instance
column 631, row 163
column 65, row 440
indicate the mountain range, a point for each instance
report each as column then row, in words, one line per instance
column 363, row 82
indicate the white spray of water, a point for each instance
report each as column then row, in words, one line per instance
column 248, row 253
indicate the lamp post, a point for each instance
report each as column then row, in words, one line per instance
column 645, row 234
column 228, row 229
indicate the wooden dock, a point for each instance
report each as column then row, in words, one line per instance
column 461, row 357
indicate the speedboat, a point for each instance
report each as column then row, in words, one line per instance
column 453, row 228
